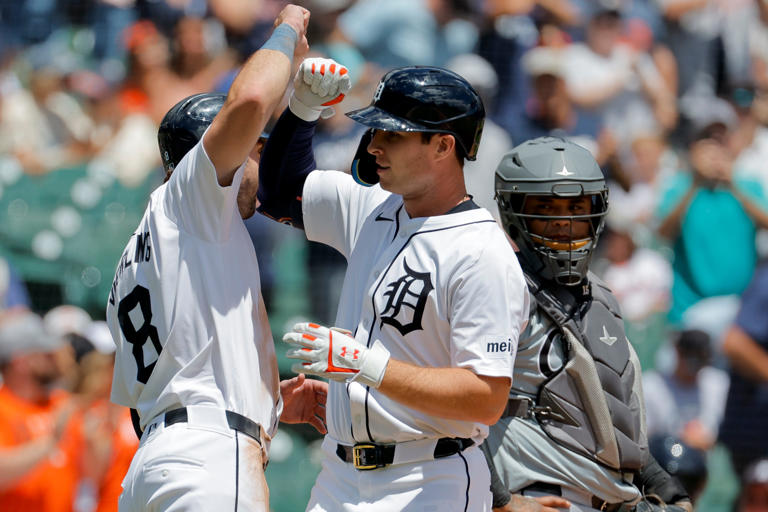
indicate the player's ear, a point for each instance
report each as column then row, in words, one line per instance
column 445, row 145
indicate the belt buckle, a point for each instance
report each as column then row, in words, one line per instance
column 359, row 459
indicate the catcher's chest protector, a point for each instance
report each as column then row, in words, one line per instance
column 594, row 404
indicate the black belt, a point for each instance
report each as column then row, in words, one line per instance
column 556, row 490
column 373, row 456
column 234, row 420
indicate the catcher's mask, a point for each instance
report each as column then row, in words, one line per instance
column 555, row 243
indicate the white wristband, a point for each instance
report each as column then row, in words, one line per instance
column 302, row 111
column 372, row 371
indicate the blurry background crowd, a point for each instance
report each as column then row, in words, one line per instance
column 671, row 96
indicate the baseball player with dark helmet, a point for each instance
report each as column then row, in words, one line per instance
column 433, row 299
column 574, row 424
column 195, row 358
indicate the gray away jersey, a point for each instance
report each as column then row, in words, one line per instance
column 522, row 452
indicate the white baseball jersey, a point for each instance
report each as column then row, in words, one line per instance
column 522, row 452
column 185, row 308
column 443, row 291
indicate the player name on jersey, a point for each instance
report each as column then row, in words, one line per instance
column 142, row 252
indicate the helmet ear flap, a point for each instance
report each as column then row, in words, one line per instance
column 364, row 164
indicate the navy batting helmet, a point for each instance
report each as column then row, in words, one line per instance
column 184, row 125
column 424, row 99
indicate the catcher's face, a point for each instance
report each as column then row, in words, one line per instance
column 559, row 228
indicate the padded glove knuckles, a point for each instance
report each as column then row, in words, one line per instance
column 318, row 84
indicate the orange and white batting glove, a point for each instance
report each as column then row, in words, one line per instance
column 318, row 84
column 334, row 354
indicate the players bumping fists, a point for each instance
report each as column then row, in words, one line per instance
column 318, row 84
column 335, row 354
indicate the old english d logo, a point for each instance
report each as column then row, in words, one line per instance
column 406, row 298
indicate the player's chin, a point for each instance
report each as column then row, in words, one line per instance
column 385, row 180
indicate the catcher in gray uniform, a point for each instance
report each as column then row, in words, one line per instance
column 574, row 426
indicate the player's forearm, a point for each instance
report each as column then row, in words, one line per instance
column 250, row 101
column 18, row 461
column 745, row 355
column 286, row 162
column 453, row 393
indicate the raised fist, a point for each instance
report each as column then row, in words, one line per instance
column 318, row 84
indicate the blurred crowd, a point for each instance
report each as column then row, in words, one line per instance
column 63, row 444
column 671, row 96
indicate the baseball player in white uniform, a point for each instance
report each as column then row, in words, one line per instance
column 195, row 357
column 433, row 299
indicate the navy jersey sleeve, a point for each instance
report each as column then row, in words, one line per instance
column 286, row 161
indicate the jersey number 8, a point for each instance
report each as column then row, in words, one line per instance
column 146, row 331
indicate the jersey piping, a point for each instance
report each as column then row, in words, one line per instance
column 469, row 481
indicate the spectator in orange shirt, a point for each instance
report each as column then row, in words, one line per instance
column 39, row 439
column 108, row 435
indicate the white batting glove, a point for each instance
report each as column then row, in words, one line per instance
column 318, row 84
column 334, row 354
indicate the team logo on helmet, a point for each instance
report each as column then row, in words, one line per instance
column 406, row 299
column 378, row 92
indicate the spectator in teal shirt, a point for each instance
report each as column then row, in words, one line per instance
column 711, row 218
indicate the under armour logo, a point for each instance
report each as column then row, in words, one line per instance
column 565, row 172
column 605, row 338
column 409, row 291
column 378, row 92
column 344, row 354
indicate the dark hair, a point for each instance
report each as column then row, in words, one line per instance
column 694, row 342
